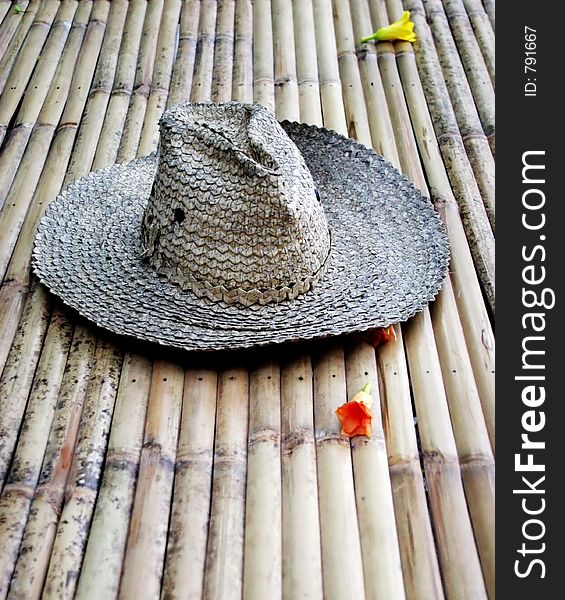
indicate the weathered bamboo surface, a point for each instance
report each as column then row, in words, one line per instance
column 133, row 472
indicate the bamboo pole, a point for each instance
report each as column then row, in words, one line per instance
column 470, row 32
column 454, row 74
column 473, row 314
column 242, row 85
column 341, row 549
column 9, row 20
column 28, row 173
column 382, row 566
column 262, row 568
column 20, row 74
column 459, row 561
column 26, row 466
column 93, row 114
column 382, row 134
column 483, row 31
column 224, row 557
column 203, row 68
column 102, row 564
column 46, row 177
column 263, row 56
column 284, row 55
column 328, row 68
column 471, row 435
column 35, row 551
column 306, row 63
column 4, row 8
column 472, row 210
column 417, row 547
column 186, row 550
column 18, row 358
column 84, row 477
column 481, row 244
column 232, row 531
column 13, row 31
column 401, row 126
column 17, row 375
column 453, row 92
column 184, row 64
column 147, row 538
column 92, row 118
column 474, row 66
column 490, row 10
column 188, row 531
column 111, row 133
column 222, row 75
column 353, row 99
column 161, row 79
column 142, row 85
column 16, row 142
column 301, row 557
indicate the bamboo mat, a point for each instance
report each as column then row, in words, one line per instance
column 129, row 471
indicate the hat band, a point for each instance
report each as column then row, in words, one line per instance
column 217, row 293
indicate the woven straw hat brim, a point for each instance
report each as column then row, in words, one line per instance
column 389, row 256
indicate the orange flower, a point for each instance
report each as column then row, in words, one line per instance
column 378, row 336
column 355, row 418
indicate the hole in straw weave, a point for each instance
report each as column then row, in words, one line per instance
column 179, row 215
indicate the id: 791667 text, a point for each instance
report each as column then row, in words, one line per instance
column 530, row 60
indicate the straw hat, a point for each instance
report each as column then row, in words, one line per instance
column 243, row 232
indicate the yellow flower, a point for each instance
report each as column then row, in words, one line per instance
column 403, row 29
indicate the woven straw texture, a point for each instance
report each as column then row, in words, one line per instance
column 233, row 213
column 132, row 471
column 389, row 252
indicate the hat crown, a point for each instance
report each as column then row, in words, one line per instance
column 233, row 213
